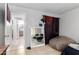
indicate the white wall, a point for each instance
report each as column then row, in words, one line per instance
column 32, row 20
column 2, row 28
column 8, row 33
column 69, row 24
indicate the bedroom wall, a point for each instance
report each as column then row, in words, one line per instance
column 32, row 20
column 69, row 24
column 2, row 28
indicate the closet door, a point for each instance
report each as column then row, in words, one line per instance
column 56, row 27
column 51, row 28
column 49, row 25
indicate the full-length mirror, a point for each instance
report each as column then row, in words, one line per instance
column 37, row 37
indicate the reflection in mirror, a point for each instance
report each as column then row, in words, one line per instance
column 37, row 37
column 20, row 28
column 35, row 30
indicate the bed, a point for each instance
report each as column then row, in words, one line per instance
column 71, row 49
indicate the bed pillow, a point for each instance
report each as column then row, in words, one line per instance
column 61, row 42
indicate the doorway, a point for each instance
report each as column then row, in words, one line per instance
column 17, row 28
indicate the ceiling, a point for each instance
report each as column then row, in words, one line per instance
column 57, row 8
